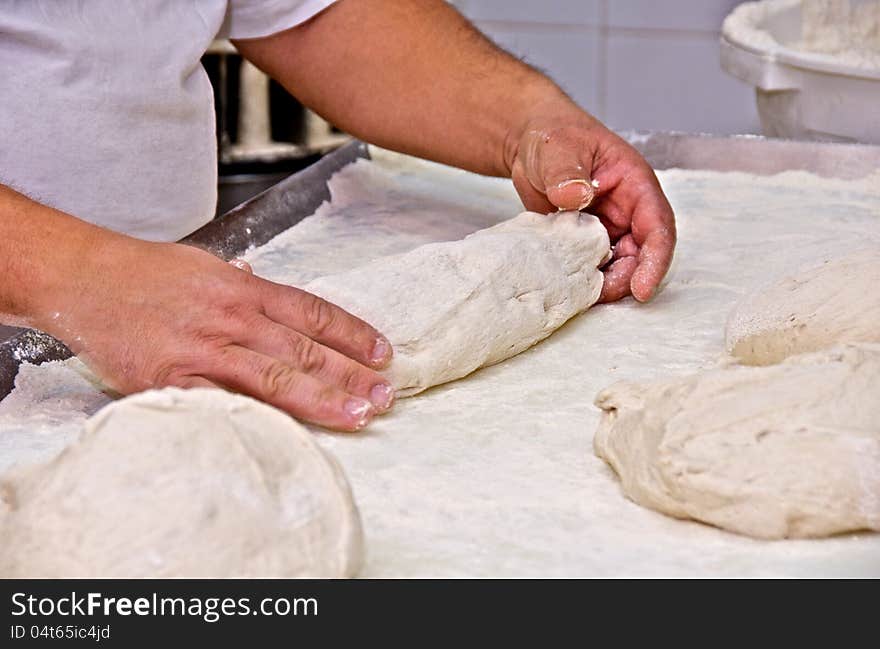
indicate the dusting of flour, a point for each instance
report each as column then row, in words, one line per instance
column 494, row 475
column 46, row 410
column 845, row 32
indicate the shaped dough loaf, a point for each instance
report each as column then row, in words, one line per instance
column 450, row 308
column 836, row 302
column 791, row 450
column 182, row 483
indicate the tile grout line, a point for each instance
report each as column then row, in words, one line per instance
column 602, row 80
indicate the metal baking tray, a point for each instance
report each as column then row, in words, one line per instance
column 258, row 220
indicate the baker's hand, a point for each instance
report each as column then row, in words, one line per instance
column 150, row 315
column 552, row 163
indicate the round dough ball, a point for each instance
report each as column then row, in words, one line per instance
column 835, row 302
column 791, row 450
column 183, row 483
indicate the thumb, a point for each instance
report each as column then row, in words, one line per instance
column 554, row 166
column 241, row 264
column 573, row 193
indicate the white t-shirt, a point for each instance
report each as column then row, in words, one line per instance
column 106, row 112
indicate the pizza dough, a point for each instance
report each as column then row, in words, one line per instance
column 182, row 483
column 834, row 302
column 450, row 308
column 791, row 450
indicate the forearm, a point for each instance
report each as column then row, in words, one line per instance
column 43, row 253
column 414, row 77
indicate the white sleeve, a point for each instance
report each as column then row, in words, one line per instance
column 256, row 18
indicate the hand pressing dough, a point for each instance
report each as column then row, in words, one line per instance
column 835, row 302
column 791, row 450
column 450, row 308
column 182, row 483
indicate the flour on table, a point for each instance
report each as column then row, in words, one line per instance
column 791, row 450
column 46, row 410
column 182, row 484
column 494, row 475
column 833, row 302
column 450, row 308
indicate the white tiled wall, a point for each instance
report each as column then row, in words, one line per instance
column 638, row 64
column 571, row 58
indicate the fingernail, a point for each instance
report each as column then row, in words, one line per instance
column 241, row 264
column 360, row 410
column 381, row 350
column 586, row 193
column 382, row 395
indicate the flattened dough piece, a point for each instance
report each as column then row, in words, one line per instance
column 450, row 308
column 791, row 450
column 182, row 483
column 835, row 302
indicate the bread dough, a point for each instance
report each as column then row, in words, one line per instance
column 834, row 302
column 791, row 450
column 182, row 483
column 450, row 308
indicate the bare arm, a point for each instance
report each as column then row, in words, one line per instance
column 410, row 76
column 39, row 248
column 147, row 315
column 416, row 77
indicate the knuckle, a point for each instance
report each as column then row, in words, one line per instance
column 351, row 381
column 309, row 357
column 277, row 381
column 319, row 314
column 173, row 371
column 238, row 313
column 211, row 340
column 322, row 399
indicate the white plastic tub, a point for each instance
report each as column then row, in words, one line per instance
column 800, row 94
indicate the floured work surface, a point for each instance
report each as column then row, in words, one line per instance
column 494, row 475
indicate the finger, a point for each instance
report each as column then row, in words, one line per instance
column 638, row 200
column 531, row 198
column 284, row 387
column 327, row 324
column 625, row 247
column 614, row 232
column 617, row 279
column 572, row 194
column 322, row 363
column 558, row 166
column 241, row 264
column 651, row 212
column 564, row 178
column 655, row 257
column 612, row 211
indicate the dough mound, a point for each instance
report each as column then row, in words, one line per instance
column 453, row 307
column 791, row 450
column 836, row 302
column 182, row 484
